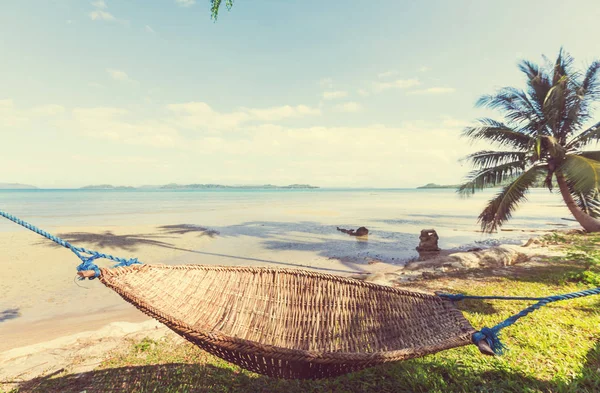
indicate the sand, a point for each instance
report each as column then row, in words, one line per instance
column 48, row 318
column 40, row 299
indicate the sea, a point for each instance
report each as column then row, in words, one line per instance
column 391, row 215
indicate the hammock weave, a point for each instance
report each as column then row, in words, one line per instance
column 291, row 323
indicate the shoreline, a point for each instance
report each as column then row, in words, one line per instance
column 43, row 301
column 94, row 338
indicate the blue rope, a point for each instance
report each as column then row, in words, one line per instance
column 87, row 261
column 492, row 335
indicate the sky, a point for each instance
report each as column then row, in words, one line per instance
column 340, row 93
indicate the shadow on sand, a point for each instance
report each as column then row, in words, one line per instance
column 131, row 242
column 8, row 314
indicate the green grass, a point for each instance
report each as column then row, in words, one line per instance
column 555, row 349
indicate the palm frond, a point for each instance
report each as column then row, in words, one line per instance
column 588, row 202
column 490, row 177
column 582, row 172
column 592, row 134
column 579, row 100
column 516, row 106
column 500, row 209
column 538, row 81
column 497, row 132
column 591, row 82
column 489, row 158
column 562, row 66
column 215, row 5
column 593, row 155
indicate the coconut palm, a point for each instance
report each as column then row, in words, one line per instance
column 542, row 139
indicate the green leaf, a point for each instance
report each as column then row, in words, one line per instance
column 582, row 172
column 500, row 209
column 592, row 134
column 496, row 132
column 489, row 158
column 490, row 177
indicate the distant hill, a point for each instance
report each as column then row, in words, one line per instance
column 16, row 186
column 107, row 187
column 537, row 184
column 220, row 186
column 174, row 186
column 433, row 185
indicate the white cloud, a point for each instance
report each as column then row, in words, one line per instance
column 332, row 95
column 48, row 110
column 363, row 92
column 96, row 85
column 10, row 116
column 201, row 115
column 281, row 112
column 102, row 15
column 98, row 112
column 99, row 4
column 185, row 3
column 109, row 123
column 326, row 83
column 149, row 29
column 397, row 84
column 119, row 75
column 448, row 121
column 424, row 69
column 348, row 107
column 387, row 74
column 434, row 90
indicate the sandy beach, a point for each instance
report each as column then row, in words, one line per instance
column 47, row 316
column 42, row 300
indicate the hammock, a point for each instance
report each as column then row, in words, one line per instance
column 290, row 323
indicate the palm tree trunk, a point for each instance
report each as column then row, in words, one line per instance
column 589, row 223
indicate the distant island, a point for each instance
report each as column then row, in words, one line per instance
column 213, row 186
column 537, row 184
column 16, row 186
column 174, row 186
column 107, row 187
column 433, row 185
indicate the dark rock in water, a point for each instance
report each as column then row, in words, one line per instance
column 362, row 231
column 428, row 240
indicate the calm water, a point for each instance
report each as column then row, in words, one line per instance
column 395, row 210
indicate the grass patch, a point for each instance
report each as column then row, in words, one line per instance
column 555, row 349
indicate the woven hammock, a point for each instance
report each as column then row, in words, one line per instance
column 291, row 323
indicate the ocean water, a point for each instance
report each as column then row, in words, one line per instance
column 392, row 215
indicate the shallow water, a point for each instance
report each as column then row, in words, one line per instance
column 393, row 216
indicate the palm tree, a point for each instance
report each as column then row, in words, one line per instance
column 543, row 137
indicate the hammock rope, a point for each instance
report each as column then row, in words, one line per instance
column 87, row 261
column 492, row 335
column 484, row 335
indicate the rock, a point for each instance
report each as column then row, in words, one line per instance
column 428, row 241
column 492, row 257
column 361, row 231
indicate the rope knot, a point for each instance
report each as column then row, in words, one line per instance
column 88, row 264
column 491, row 337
